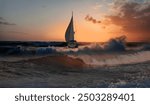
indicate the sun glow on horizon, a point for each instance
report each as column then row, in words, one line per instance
column 84, row 32
column 94, row 21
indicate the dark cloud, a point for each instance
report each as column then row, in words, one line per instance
column 1, row 18
column 90, row 18
column 133, row 17
column 3, row 22
column 6, row 23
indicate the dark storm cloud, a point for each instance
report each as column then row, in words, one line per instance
column 133, row 17
column 90, row 18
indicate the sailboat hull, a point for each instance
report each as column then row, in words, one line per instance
column 72, row 44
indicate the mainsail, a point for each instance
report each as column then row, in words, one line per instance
column 69, row 35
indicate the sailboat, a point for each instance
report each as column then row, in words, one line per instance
column 69, row 35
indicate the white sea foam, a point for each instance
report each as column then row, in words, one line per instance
column 117, row 44
column 112, row 53
column 113, row 60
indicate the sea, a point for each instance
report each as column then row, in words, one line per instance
column 112, row 64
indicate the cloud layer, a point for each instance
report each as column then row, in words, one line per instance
column 6, row 23
column 3, row 22
column 132, row 16
column 1, row 18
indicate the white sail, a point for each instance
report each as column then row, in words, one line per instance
column 69, row 35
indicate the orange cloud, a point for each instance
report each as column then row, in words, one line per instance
column 133, row 18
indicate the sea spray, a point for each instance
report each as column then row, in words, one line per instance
column 117, row 44
column 113, row 45
column 112, row 53
column 114, row 59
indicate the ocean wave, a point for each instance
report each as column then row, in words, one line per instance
column 146, row 47
column 113, row 45
column 114, row 52
column 114, row 59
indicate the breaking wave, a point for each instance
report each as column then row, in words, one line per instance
column 114, row 52
column 114, row 59
column 146, row 47
column 113, row 45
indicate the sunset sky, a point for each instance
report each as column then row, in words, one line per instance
column 94, row 20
